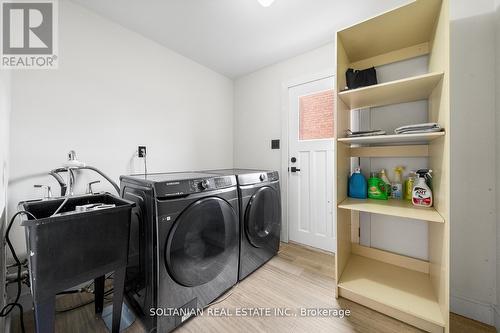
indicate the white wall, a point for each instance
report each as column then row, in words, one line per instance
column 4, row 133
column 115, row 90
column 473, row 203
column 497, row 22
column 4, row 145
column 257, row 118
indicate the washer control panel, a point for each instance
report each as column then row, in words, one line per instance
column 196, row 185
column 269, row 176
column 256, row 177
column 272, row 176
column 200, row 185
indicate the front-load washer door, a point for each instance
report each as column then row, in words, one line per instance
column 201, row 242
column 263, row 217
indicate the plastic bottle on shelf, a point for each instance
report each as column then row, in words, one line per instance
column 357, row 185
column 397, row 184
column 409, row 182
column 428, row 179
column 377, row 188
column 422, row 193
column 384, row 177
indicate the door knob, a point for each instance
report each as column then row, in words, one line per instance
column 294, row 169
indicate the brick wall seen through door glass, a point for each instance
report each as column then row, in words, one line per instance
column 316, row 116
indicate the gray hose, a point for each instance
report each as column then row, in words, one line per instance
column 60, row 180
column 68, row 193
column 71, row 178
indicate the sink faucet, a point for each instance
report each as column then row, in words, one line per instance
column 47, row 187
column 89, row 186
column 64, row 186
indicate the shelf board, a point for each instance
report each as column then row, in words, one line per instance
column 405, row 294
column 408, row 25
column 394, row 138
column 390, row 151
column 400, row 91
column 400, row 208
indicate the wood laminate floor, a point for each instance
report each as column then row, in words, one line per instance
column 296, row 278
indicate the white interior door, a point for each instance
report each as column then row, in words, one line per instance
column 310, row 172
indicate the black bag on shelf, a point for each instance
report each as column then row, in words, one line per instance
column 360, row 78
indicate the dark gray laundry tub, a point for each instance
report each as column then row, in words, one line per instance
column 71, row 248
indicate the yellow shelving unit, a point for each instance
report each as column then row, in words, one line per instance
column 404, row 292
column 395, row 92
column 395, row 138
column 411, row 290
column 398, row 208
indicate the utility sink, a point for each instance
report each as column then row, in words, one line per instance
column 72, row 247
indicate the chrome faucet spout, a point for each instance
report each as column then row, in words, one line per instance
column 62, row 184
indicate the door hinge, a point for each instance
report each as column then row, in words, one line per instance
column 359, row 232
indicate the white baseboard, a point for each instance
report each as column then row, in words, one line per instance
column 7, row 324
column 496, row 313
column 473, row 309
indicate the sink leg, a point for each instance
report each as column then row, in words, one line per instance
column 99, row 294
column 45, row 315
column 119, row 284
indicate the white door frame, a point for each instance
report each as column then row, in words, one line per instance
column 285, row 111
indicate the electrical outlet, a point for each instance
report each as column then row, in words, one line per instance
column 141, row 151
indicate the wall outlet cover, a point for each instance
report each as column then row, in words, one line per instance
column 141, row 151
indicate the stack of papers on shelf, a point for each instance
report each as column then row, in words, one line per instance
column 351, row 134
column 418, row 128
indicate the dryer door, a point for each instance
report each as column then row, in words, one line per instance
column 201, row 242
column 263, row 217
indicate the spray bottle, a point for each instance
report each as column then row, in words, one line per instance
column 422, row 193
column 397, row 184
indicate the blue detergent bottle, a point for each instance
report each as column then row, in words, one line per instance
column 358, row 188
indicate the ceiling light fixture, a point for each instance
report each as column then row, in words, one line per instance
column 266, row 3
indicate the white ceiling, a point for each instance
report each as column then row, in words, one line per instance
column 236, row 37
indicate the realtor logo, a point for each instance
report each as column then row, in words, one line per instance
column 29, row 31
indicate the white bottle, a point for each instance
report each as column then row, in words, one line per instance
column 397, row 184
column 422, row 193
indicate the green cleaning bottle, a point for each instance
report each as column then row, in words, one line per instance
column 377, row 188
